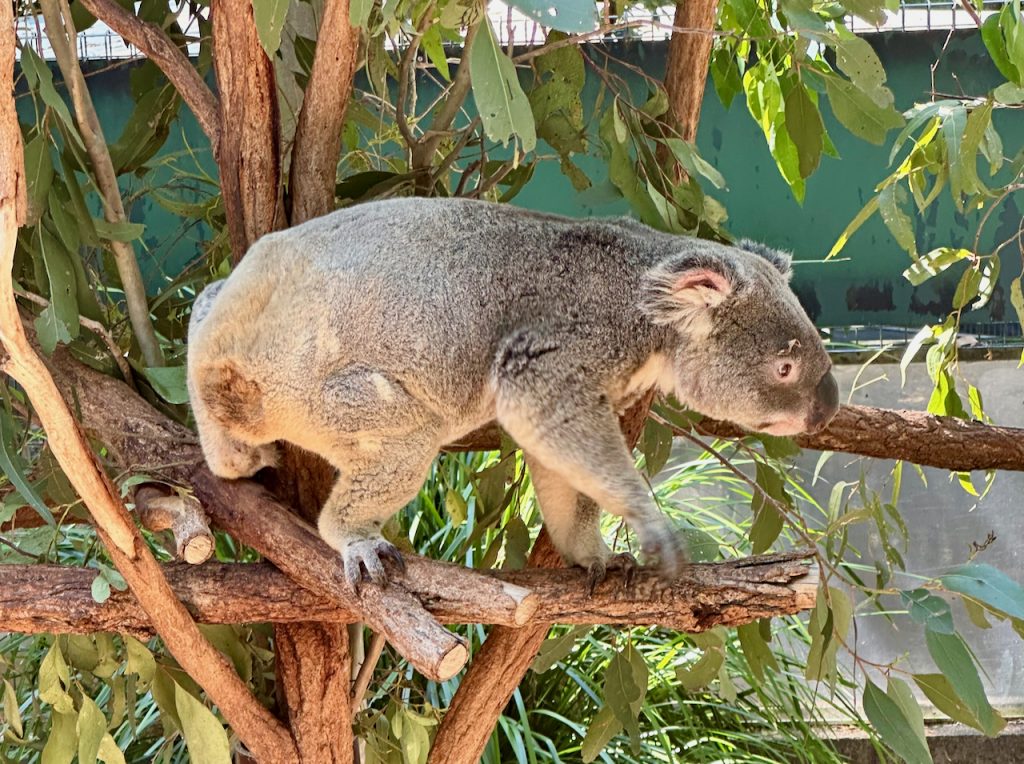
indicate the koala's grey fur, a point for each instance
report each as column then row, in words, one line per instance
column 376, row 334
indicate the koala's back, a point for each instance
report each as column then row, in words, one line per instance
column 424, row 290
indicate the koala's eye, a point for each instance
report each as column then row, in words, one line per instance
column 784, row 370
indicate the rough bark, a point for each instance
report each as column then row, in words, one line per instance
column 248, row 155
column 318, row 135
column 58, row 599
column 686, row 70
column 914, row 436
column 158, row 47
column 261, row 732
column 62, row 36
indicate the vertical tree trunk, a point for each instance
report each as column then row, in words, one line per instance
column 248, row 155
column 686, row 71
column 500, row 665
column 312, row 659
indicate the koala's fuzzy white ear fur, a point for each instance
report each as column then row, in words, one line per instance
column 678, row 296
column 782, row 260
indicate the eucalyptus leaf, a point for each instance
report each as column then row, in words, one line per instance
column 500, row 100
column 565, row 15
column 204, row 735
column 988, row 585
column 893, row 727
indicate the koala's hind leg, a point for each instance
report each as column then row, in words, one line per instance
column 371, row 487
column 226, row 455
column 574, row 523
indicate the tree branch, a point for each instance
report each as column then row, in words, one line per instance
column 161, row 50
column 253, row 723
column 914, row 436
column 62, row 36
column 57, row 599
column 318, row 135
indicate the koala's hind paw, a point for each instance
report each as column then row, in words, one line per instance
column 367, row 556
column 597, row 572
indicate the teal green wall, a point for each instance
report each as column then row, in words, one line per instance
column 866, row 289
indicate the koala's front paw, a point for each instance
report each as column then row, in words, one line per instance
column 659, row 542
column 367, row 556
column 597, row 571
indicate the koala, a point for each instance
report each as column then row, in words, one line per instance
column 377, row 334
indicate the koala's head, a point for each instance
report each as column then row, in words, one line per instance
column 745, row 350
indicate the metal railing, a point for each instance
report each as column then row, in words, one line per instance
column 102, row 44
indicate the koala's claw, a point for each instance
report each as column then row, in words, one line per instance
column 368, row 556
column 597, row 572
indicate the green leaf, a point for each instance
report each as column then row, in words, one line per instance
column 656, row 446
column 10, row 466
column 140, row 660
column 38, row 176
column 566, row 15
column 500, row 100
column 555, row 649
column 602, row 729
column 40, row 77
column 901, row 694
column 169, row 382
column 858, row 113
column 992, row 36
column 896, row 219
column 872, row 11
column 100, row 589
column 860, row 219
column 1017, row 299
column 120, row 231
column 91, row 727
column 54, row 677
column 768, row 520
column 204, row 734
column 953, row 126
column 12, row 712
column 976, row 613
column 62, row 744
column 269, row 16
column 829, row 623
column 60, row 272
column 942, row 695
column 929, row 610
column 955, row 662
column 433, row 46
column 803, row 122
column 933, row 263
column 700, row 674
column 978, row 122
column 756, row 650
column 517, row 544
column 109, row 753
column 893, row 727
column 456, row 507
column 359, row 12
column 988, row 585
column 857, row 60
column 967, row 288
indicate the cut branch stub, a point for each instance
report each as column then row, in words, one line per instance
column 182, row 515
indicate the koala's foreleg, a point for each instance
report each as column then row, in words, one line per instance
column 573, row 521
column 544, row 401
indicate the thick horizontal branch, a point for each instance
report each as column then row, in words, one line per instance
column 58, row 599
column 914, row 436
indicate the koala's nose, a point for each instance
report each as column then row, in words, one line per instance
column 826, row 403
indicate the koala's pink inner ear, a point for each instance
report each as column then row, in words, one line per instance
column 702, row 288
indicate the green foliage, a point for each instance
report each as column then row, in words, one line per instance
column 754, row 694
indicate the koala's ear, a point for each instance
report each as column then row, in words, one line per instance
column 783, row 261
column 680, row 293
